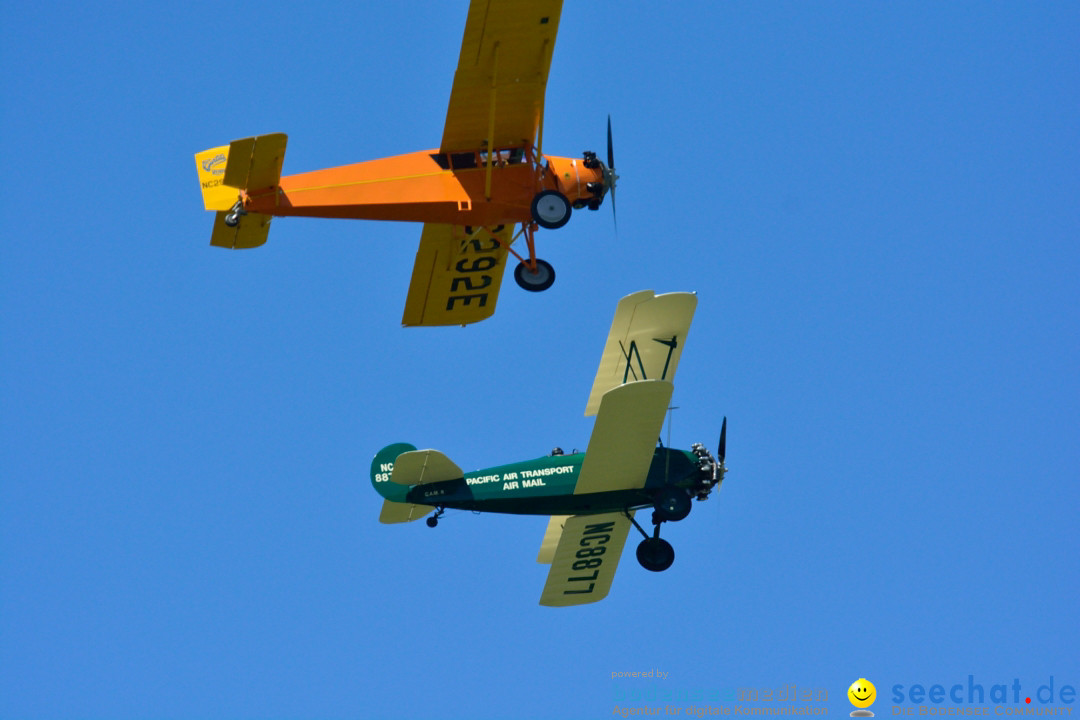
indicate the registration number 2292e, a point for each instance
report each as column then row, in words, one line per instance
column 472, row 275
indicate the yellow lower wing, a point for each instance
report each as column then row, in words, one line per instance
column 585, row 558
column 457, row 274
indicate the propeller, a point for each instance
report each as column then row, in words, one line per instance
column 721, row 451
column 609, row 173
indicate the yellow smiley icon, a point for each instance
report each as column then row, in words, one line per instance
column 862, row 693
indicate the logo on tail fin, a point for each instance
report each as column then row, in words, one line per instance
column 215, row 165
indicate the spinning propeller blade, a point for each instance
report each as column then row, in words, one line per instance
column 610, row 173
column 722, row 449
column 610, row 151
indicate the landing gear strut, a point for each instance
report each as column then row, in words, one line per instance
column 654, row 553
column 532, row 273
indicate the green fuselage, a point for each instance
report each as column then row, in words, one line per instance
column 545, row 486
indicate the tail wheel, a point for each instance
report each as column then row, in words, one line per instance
column 655, row 554
column 551, row 209
column 232, row 218
column 672, row 503
column 537, row 281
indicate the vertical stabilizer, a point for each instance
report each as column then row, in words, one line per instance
column 211, row 166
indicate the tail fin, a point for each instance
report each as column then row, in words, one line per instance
column 211, row 166
column 225, row 173
column 395, row 509
column 382, row 467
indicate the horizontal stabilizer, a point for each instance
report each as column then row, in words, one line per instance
column 250, row 231
column 420, row 467
column 254, row 163
column 395, row 512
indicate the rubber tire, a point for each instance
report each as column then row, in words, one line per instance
column 550, row 202
column 655, row 554
column 539, row 282
column 672, row 504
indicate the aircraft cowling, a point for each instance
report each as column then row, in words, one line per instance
column 572, row 178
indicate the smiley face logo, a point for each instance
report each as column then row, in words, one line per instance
column 862, row 693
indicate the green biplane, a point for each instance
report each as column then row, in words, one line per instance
column 592, row 496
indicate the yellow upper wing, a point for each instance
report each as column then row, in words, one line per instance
column 645, row 341
column 457, row 275
column 498, row 93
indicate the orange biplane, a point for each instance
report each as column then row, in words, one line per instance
column 487, row 184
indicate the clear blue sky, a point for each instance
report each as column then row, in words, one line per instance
column 877, row 203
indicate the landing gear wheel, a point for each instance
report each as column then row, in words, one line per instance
column 537, row 281
column 551, row 209
column 432, row 521
column 655, row 554
column 672, row 503
column 232, row 218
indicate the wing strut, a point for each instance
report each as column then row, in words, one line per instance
column 547, row 51
column 491, row 120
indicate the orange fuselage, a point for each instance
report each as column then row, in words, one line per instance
column 429, row 186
